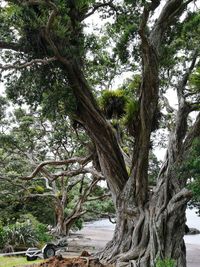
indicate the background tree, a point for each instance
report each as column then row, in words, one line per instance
column 39, row 162
column 47, row 38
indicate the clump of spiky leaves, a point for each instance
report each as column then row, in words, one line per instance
column 121, row 106
column 113, row 103
column 131, row 110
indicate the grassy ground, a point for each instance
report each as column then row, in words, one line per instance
column 15, row 261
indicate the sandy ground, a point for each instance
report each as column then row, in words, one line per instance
column 92, row 240
column 193, row 255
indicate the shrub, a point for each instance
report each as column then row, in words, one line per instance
column 2, row 236
column 42, row 233
column 165, row 263
column 20, row 235
column 24, row 233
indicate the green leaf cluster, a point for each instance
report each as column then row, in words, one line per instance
column 24, row 233
column 165, row 263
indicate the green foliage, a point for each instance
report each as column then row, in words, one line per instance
column 24, row 233
column 113, row 103
column 41, row 209
column 47, row 88
column 123, row 43
column 154, row 168
column 191, row 169
column 78, row 224
column 130, row 88
column 195, row 82
column 19, row 235
column 99, row 208
column 165, row 263
column 131, row 110
column 2, row 235
column 39, row 189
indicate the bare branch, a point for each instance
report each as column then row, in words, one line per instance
column 184, row 107
column 178, row 200
column 99, row 198
column 169, row 108
column 193, row 133
column 99, row 5
column 41, row 166
column 27, row 64
column 109, row 216
column 13, row 46
column 47, row 184
column 182, row 83
column 46, row 173
column 81, row 170
column 71, row 185
column 95, row 173
column 52, row 16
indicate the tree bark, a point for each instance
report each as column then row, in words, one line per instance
column 146, row 234
column 60, row 229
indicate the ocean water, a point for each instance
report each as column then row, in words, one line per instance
column 193, row 221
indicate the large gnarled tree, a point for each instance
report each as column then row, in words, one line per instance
column 150, row 224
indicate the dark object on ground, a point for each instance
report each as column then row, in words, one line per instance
column 8, row 248
column 85, row 254
column 187, row 229
column 193, row 231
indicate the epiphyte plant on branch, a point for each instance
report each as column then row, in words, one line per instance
column 150, row 223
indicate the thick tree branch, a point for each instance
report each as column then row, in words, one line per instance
column 192, row 134
column 18, row 66
column 178, row 200
column 13, row 46
column 171, row 10
column 169, row 108
column 184, row 108
column 41, row 166
column 104, row 215
column 183, row 82
column 99, row 198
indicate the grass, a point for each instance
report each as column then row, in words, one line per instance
column 16, row 262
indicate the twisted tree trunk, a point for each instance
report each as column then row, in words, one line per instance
column 155, row 231
column 60, row 229
column 150, row 225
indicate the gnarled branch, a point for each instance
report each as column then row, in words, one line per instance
column 99, row 5
column 41, row 166
column 18, row 66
